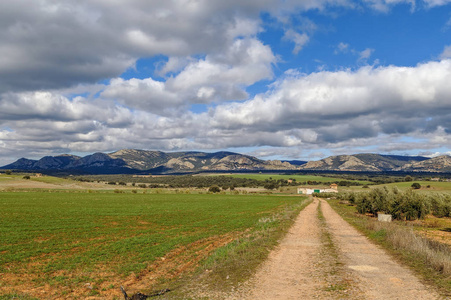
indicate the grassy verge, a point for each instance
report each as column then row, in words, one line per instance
column 335, row 276
column 237, row 261
column 431, row 260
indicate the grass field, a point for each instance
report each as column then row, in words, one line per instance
column 299, row 178
column 87, row 244
column 434, row 186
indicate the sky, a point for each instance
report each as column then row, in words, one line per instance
column 291, row 79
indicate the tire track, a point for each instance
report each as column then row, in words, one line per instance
column 323, row 257
column 301, row 267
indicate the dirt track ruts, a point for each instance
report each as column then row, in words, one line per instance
column 304, row 266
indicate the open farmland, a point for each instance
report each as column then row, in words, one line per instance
column 426, row 186
column 286, row 177
column 298, row 178
column 88, row 244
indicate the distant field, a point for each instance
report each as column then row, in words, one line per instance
column 45, row 179
column 434, row 186
column 69, row 240
column 51, row 179
column 299, row 178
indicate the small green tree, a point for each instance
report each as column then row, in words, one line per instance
column 408, row 178
column 416, row 186
column 214, row 189
column 8, row 172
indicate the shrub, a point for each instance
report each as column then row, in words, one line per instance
column 214, row 189
column 416, row 185
column 26, row 177
column 441, row 205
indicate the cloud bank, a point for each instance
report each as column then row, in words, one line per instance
column 61, row 88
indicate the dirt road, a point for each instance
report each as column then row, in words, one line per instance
column 323, row 257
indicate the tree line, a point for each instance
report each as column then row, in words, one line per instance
column 402, row 205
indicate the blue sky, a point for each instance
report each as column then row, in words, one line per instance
column 276, row 79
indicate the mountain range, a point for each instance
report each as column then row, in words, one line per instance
column 130, row 161
column 140, row 161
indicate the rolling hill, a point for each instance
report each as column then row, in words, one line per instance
column 364, row 163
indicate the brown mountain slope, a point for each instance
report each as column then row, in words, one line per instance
column 435, row 164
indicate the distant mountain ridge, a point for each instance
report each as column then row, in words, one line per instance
column 135, row 161
column 129, row 161
column 365, row 163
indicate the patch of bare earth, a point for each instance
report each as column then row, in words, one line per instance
column 106, row 283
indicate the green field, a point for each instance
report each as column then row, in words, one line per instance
column 67, row 239
column 434, row 186
column 299, row 178
column 43, row 179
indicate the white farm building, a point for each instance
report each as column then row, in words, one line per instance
column 308, row 191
